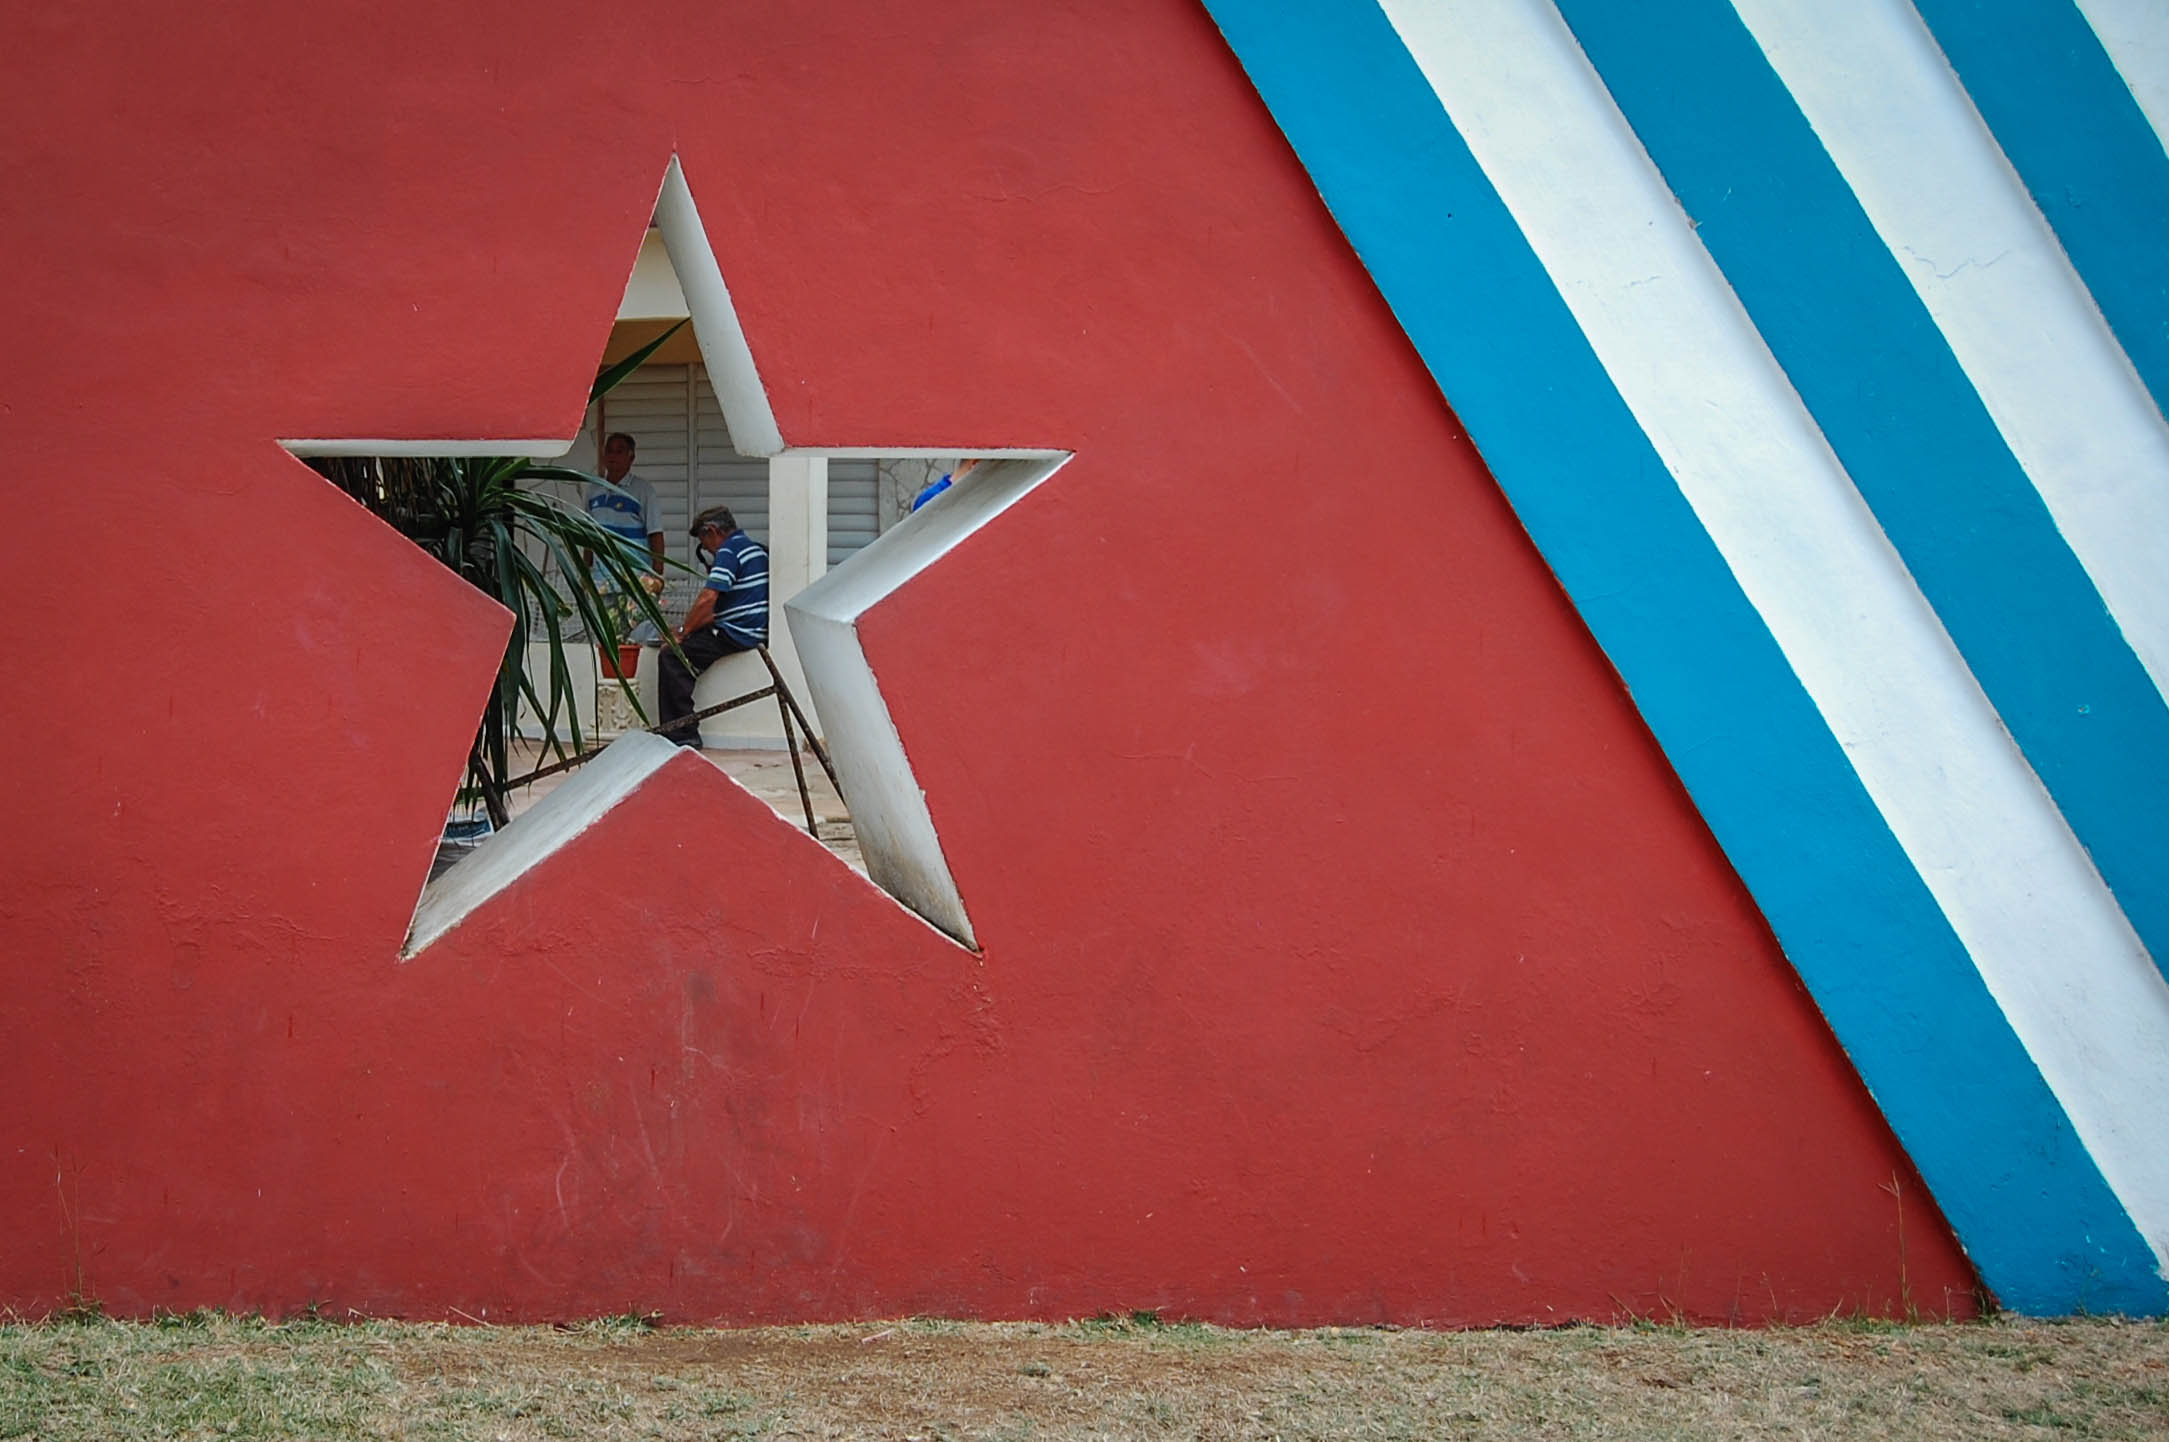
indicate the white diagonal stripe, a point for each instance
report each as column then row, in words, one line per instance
column 1937, row 188
column 2049, row 940
column 2135, row 33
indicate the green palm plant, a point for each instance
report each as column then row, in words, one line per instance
column 545, row 560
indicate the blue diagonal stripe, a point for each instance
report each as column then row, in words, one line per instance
column 1895, row 404
column 1853, row 916
column 2077, row 138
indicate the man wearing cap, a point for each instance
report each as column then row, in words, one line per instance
column 730, row 614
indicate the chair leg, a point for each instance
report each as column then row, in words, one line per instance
column 785, row 698
column 798, row 771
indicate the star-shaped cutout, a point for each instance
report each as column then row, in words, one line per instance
column 894, row 827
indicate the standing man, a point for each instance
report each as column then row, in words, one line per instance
column 730, row 614
column 629, row 510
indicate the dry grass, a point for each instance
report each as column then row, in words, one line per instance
column 212, row 1376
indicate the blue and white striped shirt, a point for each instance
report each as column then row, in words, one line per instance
column 629, row 511
column 739, row 578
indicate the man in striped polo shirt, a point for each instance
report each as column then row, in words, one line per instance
column 730, row 614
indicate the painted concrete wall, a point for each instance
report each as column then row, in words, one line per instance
column 1856, row 312
column 1274, row 1015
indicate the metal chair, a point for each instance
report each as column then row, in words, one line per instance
column 788, row 709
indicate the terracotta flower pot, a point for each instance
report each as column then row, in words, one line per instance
column 625, row 664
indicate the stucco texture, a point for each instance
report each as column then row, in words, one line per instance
column 1349, row 951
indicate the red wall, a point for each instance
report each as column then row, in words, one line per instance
column 1350, row 951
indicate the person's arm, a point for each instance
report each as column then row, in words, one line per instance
column 721, row 577
column 643, row 493
column 699, row 614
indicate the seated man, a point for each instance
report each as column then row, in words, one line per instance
column 730, row 614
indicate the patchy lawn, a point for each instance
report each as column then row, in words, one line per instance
column 213, row 1376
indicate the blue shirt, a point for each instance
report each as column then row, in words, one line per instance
column 628, row 511
column 933, row 490
column 739, row 578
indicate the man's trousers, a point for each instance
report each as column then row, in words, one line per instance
column 675, row 681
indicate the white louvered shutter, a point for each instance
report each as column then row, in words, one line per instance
column 723, row 477
column 854, row 517
column 649, row 405
column 683, row 449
